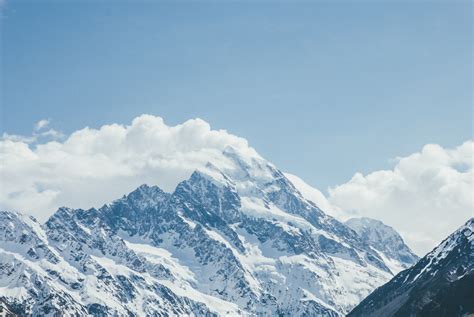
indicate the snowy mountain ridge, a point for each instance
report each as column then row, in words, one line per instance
column 385, row 240
column 440, row 284
column 236, row 238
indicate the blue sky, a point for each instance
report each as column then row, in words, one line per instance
column 323, row 90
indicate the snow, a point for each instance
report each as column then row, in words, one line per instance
column 366, row 279
column 205, row 263
column 445, row 247
column 308, row 296
column 312, row 194
column 16, row 292
column 164, row 257
column 112, row 266
column 394, row 265
column 219, row 306
column 190, row 223
column 256, row 207
column 85, row 229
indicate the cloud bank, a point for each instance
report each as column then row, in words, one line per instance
column 94, row 166
column 425, row 196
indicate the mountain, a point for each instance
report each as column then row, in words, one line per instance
column 5, row 310
column 386, row 241
column 236, row 238
column 440, row 284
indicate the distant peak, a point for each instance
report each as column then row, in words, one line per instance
column 366, row 221
column 383, row 238
column 145, row 196
column 145, row 189
column 64, row 211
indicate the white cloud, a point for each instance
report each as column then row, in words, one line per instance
column 37, row 134
column 41, row 124
column 426, row 196
column 18, row 138
column 94, row 166
column 51, row 133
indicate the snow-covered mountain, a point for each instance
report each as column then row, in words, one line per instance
column 5, row 310
column 385, row 240
column 440, row 284
column 235, row 238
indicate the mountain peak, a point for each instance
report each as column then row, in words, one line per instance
column 146, row 190
column 385, row 240
column 235, row 238
column 144, row 196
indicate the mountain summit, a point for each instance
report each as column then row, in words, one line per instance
column 235, row 238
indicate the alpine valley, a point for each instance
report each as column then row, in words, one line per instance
column 237, row 238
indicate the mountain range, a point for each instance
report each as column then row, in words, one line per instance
column 237, row 238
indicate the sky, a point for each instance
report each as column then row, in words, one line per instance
column 322, row 89
column 342, row 93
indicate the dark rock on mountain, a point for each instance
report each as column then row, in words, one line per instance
column 440, row 284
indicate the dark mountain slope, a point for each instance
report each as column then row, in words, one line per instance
column 440, row 284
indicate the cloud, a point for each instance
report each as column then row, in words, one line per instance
column 18, row 138
column 51, row 133
column 91, row 167
column 426, row 196
column 41, row 124
column 37, row 134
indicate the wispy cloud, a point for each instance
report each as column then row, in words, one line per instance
column 18, row 138
column 41, row 132
column 42, row 124
column 54, row 134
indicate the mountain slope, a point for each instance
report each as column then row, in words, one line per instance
column 385, row 240
column 235, row 238
column 440, row 284
column 89, row 272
